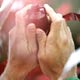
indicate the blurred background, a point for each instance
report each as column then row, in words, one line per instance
column 65, row 6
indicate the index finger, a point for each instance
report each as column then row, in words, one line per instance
column 50, row 12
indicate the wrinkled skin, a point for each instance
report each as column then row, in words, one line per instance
column 8, row 24
column 52, row 48
column 55, row 48
column 22, row 57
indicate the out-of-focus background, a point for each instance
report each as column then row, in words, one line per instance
column 60, row 6
column 65, row 6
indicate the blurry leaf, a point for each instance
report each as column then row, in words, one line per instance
column 74, row 26
column 75, row 30
column 72, row 16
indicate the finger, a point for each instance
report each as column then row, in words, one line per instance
column 20, row 22
column 53, row 15
column 64, row 35
column 12, row 36
column 31, row 37
column 41, row 37
column 25, row 9
column 60, row 15
column 63, row 29
column 20, row 26
column 68, row 31
column 56, row 26
column 20, row 18
column 20, row 15
column 70, row 39
column 56, row 21
column 55, row 30
column 50, row 12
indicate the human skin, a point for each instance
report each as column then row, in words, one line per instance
column 22, row 56
column 55, row 49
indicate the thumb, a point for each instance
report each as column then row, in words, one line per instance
column 41, row 38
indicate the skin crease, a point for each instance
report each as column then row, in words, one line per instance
column 22, row 54
column 22, row 57
column 55, row 48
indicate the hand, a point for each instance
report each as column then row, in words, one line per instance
column 55, row 48
column 22, row 57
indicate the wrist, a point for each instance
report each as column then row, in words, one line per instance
column 13, row 73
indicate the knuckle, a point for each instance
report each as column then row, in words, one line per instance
column 59, row 19
column 60, row 15
column 59, row 23
column 65, row 41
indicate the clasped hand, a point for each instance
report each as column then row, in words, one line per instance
column 30, row 46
